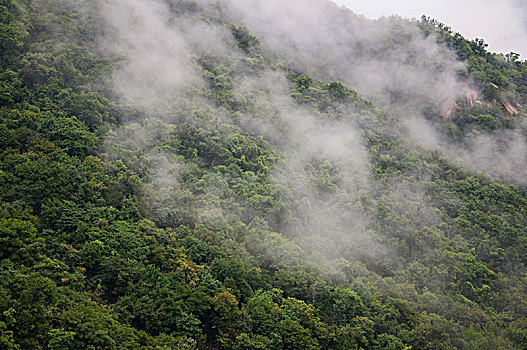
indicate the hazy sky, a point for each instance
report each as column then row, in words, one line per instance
column 501, row 23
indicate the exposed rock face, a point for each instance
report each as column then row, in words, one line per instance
column 510, row 108
column 448, row 108
column 471, row 98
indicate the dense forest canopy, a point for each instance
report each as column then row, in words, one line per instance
column 194, row 174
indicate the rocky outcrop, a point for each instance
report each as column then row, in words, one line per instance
column 471, row 97
column 510, row 108
column 448, row 108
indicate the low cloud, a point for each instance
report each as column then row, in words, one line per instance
column 156, row 56
column 325, row 166
column 387, row 61
column 501, row 23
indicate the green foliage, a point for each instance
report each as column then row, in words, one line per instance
column 132, row 229
column 13, row 32
column 244, row 39
column 15, row 237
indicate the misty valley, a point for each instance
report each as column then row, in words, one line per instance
column 250, row 174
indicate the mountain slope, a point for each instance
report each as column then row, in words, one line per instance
column 182, row 175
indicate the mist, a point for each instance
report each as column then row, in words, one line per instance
column 160, row 74
column 257, row 174
column 500, row 23
column 157, row 56
column 324, row 169
column 388, row 61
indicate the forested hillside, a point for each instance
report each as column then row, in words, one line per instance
column 247, row 174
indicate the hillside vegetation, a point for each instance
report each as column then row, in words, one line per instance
column 170, row 178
